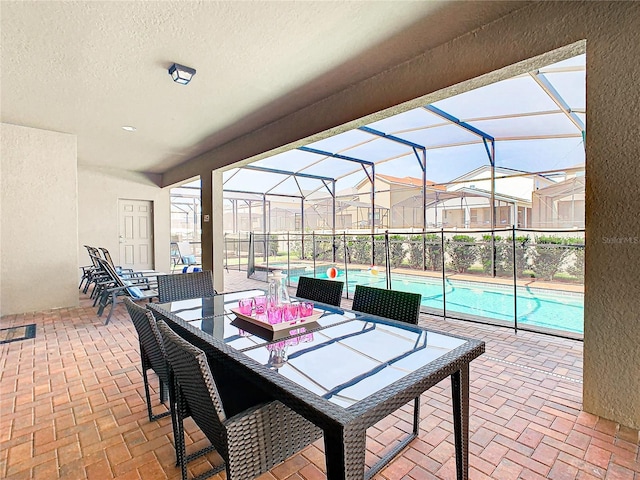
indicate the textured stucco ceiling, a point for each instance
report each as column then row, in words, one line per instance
column 87, row 68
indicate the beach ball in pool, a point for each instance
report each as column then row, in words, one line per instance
column 332, row 272
column 374, row 270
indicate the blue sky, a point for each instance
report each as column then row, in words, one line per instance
column 532, row 134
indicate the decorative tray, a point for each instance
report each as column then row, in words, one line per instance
column 261, row 321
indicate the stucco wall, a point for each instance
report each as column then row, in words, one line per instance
column 98, row 194
column 612, row 285
column 612, row 288
column 39, row 260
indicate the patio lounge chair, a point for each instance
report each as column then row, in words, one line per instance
column 87, row 271
column 127, row 273
column 103, row 278
column 121, row 287
column 184, row 254
column 396, row 305
column 320, row 290
column 182, row 286
column 107, row 256
column 93, row 273
column 250, row 442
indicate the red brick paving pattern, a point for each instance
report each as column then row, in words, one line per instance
column 72, row 406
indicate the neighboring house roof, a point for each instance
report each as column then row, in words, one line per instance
column 477, row 192
column 440, row 197
column 498, row 170
column 571, row 172
column 406, row 181
column 571, row 185
column 342, row 204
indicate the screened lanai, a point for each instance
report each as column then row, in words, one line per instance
column 484, row 187
column 449, row 163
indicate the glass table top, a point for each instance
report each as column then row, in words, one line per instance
column 347, row 362
column 348, row 356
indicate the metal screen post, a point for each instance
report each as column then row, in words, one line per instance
column 387, row 255
column 226, row 255
column 288, row 261
column 266, row 251
column 444, row 282
column 373, row 249
column 333, row 225
column 515, row 281
column 493, row 253
column 264, row 215
column 302, row 256
column 346, row 275
column 424, row 251
column 313, row 252
column 251, row 263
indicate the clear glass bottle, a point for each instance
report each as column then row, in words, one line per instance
column 278, row 293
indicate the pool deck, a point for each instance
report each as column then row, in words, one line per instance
column 467, row 277
column 72, row 405
column 525, row 282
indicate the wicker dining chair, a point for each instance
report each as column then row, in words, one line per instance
column 393, row 304
column 151, row 353
column 182, row 286
column 320, row 290
column 250, row 442
column 153, row 356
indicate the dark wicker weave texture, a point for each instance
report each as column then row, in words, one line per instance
column 151, row 352
column 154, row 357
column 251, row 442
column 345, row 428
column 401, row 306
column 320, row 290
column 182, row 286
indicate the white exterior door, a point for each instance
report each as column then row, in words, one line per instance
column 136, row 234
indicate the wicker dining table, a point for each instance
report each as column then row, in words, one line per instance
column 344, row 372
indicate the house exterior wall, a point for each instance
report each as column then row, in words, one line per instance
column 398, row 194
column 44, row 191
column 39, row 222
column 382, row 199
column 520, row 187
column 612, row 298
column 553, row 212
column 98, row 194
column 560, row 206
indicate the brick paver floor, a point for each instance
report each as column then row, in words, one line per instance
column 72, row 406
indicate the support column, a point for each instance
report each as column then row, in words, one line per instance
column 216, row 231
column 206, row 238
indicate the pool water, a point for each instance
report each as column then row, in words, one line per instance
column 536, row 307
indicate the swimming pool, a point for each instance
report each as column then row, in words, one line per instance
column 537, row 307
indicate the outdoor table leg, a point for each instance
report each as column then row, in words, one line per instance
column 460, row 397
column 345, row 453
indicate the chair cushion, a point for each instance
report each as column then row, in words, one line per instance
column 189, row 259
column 134, row 291
column 191, row 269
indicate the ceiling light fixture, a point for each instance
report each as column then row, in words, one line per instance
column 129, row 128
column 181, row 74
